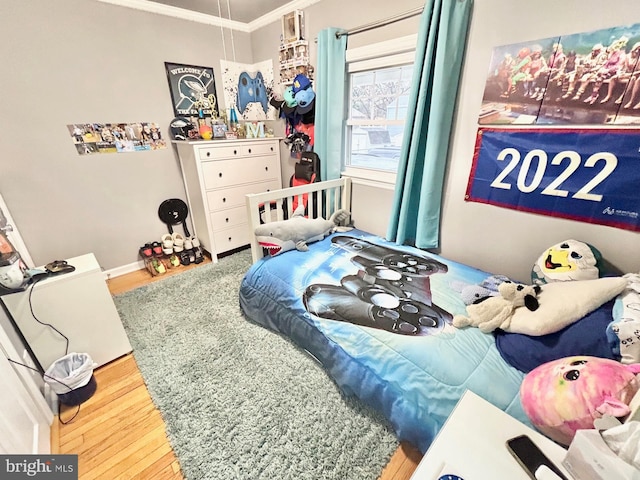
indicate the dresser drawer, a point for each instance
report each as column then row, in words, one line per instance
column 262, row 148
column 239, row 150
column 228, row 218
column 231, row 238
column 222, row 173
column 235, row 196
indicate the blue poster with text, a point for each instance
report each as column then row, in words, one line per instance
column 589, row 175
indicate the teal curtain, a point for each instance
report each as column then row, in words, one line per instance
column 415, row 217
column 330, row 100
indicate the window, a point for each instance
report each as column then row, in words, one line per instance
column 380, row 79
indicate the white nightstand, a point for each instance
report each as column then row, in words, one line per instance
column 80, row 306
column 472, row 444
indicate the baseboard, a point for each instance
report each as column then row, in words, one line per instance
column 123, row 270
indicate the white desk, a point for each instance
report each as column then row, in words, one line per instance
column 472, row 444
column 80, row 306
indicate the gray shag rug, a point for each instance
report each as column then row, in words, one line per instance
column 239, row 401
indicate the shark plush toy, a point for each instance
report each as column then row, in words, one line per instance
column 298, row 231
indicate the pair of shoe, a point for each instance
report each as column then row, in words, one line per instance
column 172, row 243
column 192, row 252
column 150, row 250
column 151, row 253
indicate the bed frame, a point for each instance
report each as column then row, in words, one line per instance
column 330, row 195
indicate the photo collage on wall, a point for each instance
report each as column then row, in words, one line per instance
column 94, row 138
column 588, row 78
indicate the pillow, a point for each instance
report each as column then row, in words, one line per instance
column 568, row 394
column 568, row 260
column 562, row 303
column 586, row 337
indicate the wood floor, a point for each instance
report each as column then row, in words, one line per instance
column 119, row 434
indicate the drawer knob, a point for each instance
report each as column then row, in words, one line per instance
column 220, row 174
column 235, row 152
column 226, row 220
column 224, row 199
column 266, row 169
column 272, row 149
column 208, row 154
column 249, row 150
column 229, row 238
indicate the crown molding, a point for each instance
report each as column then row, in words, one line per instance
column 181, row 13
column 276, row 15
column 190, row 15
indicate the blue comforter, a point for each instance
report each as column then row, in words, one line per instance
column 378, row 318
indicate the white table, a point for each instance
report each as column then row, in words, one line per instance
column 472, row 444
column 80, row 306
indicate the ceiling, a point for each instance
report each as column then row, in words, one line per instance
column 244, row 11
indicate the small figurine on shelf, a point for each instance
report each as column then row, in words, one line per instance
column 232, row 133
column 233, row 120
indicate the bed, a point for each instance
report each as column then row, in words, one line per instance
column 377, row 316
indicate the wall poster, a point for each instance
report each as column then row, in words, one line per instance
column 590, row 78
column 590, row 175
column 248, row 88
column 192, row 89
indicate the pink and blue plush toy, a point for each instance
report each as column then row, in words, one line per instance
column 566, row 395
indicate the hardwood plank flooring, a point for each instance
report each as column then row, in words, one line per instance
column 119, row 434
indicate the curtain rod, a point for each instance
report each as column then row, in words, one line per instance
column 381, row 23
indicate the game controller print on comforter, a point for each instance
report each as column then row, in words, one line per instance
column 378, row 318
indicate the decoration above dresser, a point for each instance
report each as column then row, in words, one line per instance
column 217, row 175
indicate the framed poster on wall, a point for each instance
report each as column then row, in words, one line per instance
column 192, row 89
column 589, row 175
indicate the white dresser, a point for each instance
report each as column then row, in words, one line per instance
column 217, row 175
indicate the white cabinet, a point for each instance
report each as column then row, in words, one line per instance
column 217, row 175
column 79, row 305
column 471, row 445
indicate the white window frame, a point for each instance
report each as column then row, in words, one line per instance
column 390, row 53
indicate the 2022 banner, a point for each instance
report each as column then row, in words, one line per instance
column 589, row 175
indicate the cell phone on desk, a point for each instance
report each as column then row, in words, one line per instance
column 532, row 460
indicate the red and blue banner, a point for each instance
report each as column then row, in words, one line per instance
column 589, row 175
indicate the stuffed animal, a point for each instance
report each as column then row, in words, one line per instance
column 566, row 395
column 298, row 231
column 496, row 312
column 567, row 260
column 483, row 290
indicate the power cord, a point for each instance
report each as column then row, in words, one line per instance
column 66, row 352
column 62, row 383
column 66, row 349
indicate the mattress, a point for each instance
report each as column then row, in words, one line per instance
column 378, row 316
